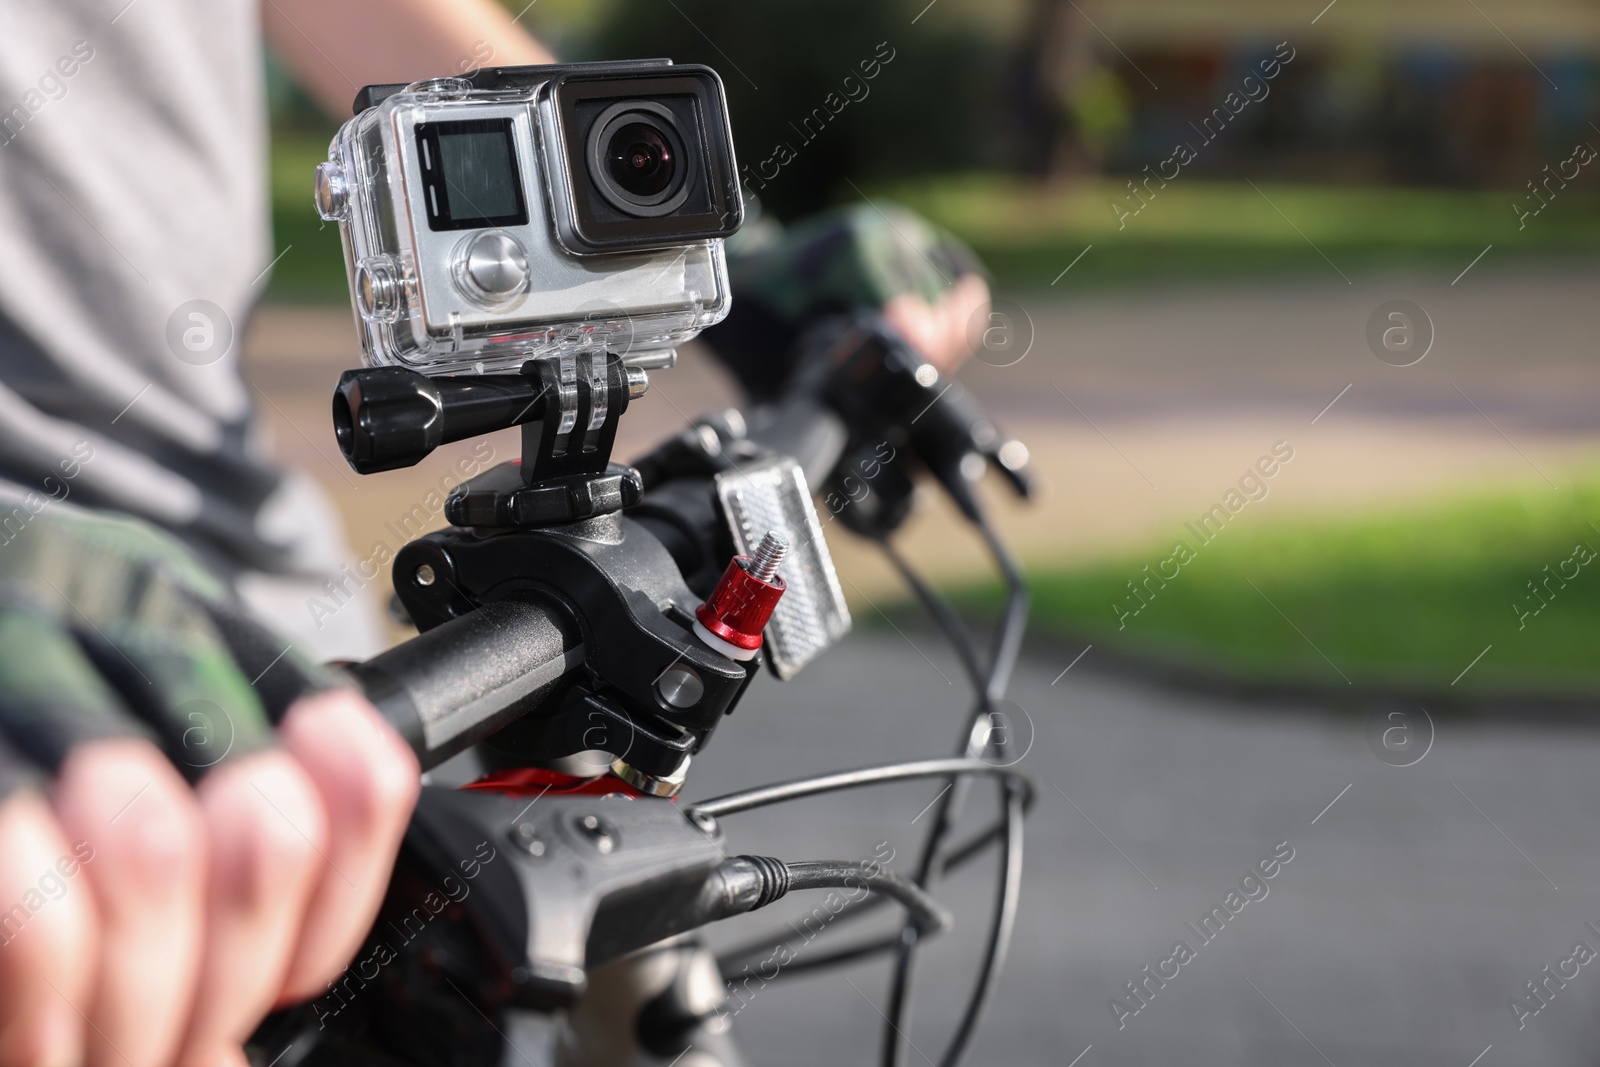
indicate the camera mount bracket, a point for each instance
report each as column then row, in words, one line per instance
column 549, row 527
column 568, row 408
column 565, row 474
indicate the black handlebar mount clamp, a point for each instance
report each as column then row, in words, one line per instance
column 549, row 528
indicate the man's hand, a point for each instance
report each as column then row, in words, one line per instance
column 882, row 258
column 188, row 867
column 942, row 330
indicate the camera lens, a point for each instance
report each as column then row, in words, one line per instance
column 637, row 159
column 640, row 159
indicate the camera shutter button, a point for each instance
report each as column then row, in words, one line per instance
column 494, row 265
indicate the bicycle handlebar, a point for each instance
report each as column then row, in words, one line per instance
column 808, row 432
column 449, row 688
column 458, row 683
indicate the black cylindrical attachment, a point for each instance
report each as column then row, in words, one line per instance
column 744, row 883
column 391, row 417
column 462, row 681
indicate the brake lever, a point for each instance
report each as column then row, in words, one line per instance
column 879, row 384
column 952, row 426
column 604, row 875
column 1021, row 477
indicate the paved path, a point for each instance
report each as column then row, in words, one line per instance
column 1415, row 905
column 1143, row 407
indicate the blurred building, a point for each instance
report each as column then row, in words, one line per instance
column 1468, row 92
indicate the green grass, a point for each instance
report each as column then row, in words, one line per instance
column 1407, row 597
column 1200, row 229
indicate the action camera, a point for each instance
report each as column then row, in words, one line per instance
column 522, row 213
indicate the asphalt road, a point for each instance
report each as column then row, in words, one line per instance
column 1418, row 901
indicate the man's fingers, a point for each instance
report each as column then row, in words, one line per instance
column 230, row 1056
column 965, row 308
column 368, row 779
column 267, row 833
column 143, row 854
column 947, row 332
column 47, row 940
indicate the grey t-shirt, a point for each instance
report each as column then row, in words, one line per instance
column 134, row 240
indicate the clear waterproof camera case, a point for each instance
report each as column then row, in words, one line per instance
column 527, row 212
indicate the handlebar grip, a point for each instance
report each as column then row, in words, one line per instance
column 451, row 687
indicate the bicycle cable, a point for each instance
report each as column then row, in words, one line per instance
column 795, row 789
column 1016, row 797
column 990, row 687
column 753, row 950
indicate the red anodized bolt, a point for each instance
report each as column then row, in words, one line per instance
column 738, row 609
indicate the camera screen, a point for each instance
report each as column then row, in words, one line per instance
column 469, row 174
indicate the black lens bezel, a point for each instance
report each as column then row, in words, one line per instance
column 435, row 195
column 707, row 145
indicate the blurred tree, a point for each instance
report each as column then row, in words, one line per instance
column 1101, row 115
column 291, row 108
column 1071, row 110
column 1051, row 55
column 929, row 108
column 563, row 26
